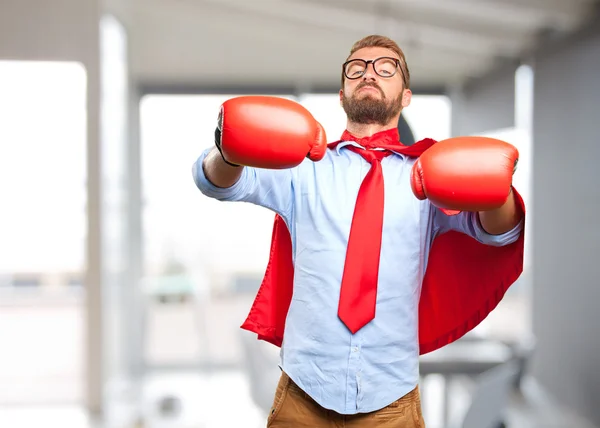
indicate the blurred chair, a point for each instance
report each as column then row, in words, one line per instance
column 523, row 353
column 491, row 397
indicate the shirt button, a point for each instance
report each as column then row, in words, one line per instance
column 355, row 349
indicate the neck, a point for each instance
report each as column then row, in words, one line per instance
column 361, row 130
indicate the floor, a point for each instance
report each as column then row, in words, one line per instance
column 42, row 368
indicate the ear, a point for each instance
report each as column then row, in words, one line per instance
column 406, row 98
column 341, row 96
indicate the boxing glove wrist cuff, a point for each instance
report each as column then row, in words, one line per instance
column 218, row 144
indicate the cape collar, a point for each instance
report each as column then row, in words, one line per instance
column 388, row 140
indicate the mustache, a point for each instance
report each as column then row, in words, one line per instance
column 372, row 85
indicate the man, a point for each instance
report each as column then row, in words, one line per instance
column 355, row 243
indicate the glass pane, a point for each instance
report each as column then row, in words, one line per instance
column 327, row 110
column 203, row 259
column 42, row 183
column 429, row 116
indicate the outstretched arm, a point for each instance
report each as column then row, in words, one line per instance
column 503, row 219
column 472, row 175
column 270, row 136
column 218, row 172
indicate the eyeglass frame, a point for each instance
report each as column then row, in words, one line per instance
column 372, row 61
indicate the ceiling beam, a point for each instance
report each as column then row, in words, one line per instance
column 509, row 13
column 347, row 20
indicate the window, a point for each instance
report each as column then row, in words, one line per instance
column 42, row 179
column 195, row 248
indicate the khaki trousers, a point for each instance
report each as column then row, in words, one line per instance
column 293, row 408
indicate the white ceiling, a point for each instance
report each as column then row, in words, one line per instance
column 302, row 43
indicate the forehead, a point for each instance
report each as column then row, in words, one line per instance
column 372, row 53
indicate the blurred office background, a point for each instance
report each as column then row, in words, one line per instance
column 122, row 288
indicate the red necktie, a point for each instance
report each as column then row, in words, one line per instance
column 358, row 292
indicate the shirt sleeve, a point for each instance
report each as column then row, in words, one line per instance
column 469, row 224
column 269, row 188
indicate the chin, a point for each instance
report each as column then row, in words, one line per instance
column 368, row 94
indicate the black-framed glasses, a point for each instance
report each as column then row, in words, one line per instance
column 384, row 67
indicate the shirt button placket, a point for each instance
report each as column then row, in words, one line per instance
column 353, row 370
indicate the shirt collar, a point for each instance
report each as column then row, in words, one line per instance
column 387, row 138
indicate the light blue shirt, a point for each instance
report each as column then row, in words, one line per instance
column 379, row 364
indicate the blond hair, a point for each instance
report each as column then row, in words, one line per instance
column 376, row 41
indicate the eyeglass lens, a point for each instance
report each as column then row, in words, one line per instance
column 385, row 67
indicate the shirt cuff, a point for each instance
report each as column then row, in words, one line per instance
column 495, row 240
column 209, row 189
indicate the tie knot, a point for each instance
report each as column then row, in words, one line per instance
column 370, row 155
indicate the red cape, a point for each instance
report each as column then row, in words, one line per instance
column 464, row 281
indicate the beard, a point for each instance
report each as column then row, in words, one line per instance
column 367, row 109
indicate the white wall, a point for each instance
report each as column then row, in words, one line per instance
column 486, row 104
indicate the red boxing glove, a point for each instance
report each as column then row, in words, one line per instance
column 465, row 173
column 268, row 132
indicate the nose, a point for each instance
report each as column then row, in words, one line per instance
column 370, row 72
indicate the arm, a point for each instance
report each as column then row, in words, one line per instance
column 503, row 219
column 472, row 175
column 269, row 188
column 271, row 136
column 469, row 223
column 218, row 172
